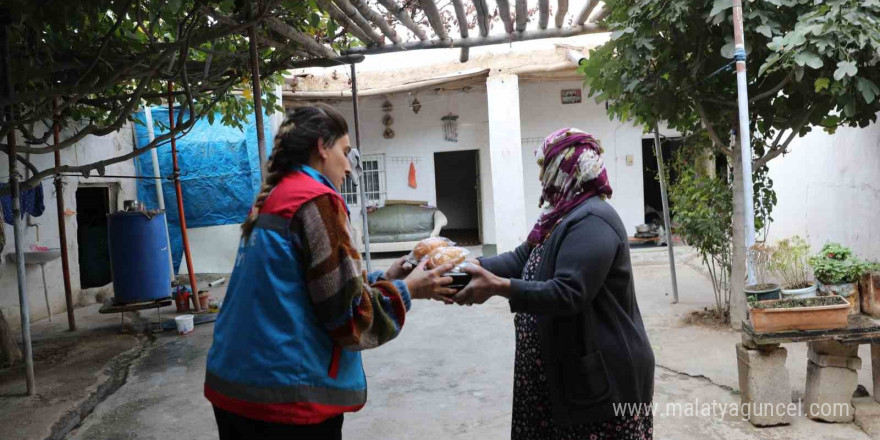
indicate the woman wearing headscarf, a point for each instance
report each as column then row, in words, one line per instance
column 584, row 368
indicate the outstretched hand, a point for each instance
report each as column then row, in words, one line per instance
column 430, row 284
column 399, row 269
column 483, row 285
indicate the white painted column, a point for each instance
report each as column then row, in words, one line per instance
column 505, row 154
column 277, row 117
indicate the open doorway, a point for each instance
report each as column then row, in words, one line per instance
column 457, row 180
column 92, row 207
column 650, row 179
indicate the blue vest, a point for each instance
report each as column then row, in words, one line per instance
column 271, row 358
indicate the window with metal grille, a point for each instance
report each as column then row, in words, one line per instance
column 374, row 181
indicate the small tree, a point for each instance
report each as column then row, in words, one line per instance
column 702, row 215
column 812, row 64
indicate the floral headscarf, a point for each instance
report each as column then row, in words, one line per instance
column 573, row 171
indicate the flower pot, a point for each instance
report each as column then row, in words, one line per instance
column 869, row 294
column 799, row 318
column 763, row 292
column 849, row 291
column 807, row 292
column 203, row 299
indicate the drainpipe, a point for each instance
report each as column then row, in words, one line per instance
column 148, row 113
column 176, row 177
column 745, row 146
column 62, row 226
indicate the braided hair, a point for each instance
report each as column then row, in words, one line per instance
column 296, row 139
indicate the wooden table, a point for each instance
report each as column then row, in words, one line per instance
column 111, row 306
column 861, row 329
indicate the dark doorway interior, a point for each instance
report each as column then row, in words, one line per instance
column 456, row 177
column 651, row 182
column 92, row 207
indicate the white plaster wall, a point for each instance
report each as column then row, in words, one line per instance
column 542, row 112
column 828, row 190
column 419, row 136
column 88, row 150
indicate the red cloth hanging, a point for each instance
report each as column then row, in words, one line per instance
column 412, row 175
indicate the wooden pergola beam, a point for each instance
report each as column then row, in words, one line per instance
column 377, row 20
column 600, row 15
column 544, row 13
column 504, row 13
column 560, row 13
column 462, row 27
column 586, row 11
column 433, row 15
column 300, row 38
column 349, row 10
column 482, row 16
column 589, row 28
column 262, row 40
column 522, row 15
column 404, row 18
column 340, row 18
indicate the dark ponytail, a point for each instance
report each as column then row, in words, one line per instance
column 293, row 145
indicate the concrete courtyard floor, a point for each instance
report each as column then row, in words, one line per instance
column 447, row 376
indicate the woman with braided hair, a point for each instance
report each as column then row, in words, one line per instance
column 286, row 360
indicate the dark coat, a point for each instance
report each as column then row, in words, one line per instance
column 594, row 346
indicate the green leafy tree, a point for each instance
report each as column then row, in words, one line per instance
column 100, row 60
column 812, row 65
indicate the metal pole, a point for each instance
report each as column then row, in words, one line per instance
column 19, row 263
column 658, row 151
column 744, row 136
column 176, row 176
column 24, row 306
column 46, row 290
column 258, row 96
column 357, row 143
column 160, row 196
column 62, row 225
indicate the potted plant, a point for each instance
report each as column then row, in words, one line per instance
column 759, row 255
column 838, row 271
column 808, row 313
column 869, row 289
column 790, row 264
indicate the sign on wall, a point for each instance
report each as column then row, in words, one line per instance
column 571, row 96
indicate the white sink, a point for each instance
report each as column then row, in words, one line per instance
column 37, row 257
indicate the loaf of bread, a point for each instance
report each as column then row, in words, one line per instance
column 428, row 245
column 452, row 254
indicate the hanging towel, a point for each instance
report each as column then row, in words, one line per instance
column 31, row 203
column 412, row 175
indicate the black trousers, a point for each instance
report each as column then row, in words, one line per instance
column 235, row 427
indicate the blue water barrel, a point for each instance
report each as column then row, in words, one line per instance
column 139, row 257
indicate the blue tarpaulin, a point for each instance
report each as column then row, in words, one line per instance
column 219, row 173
